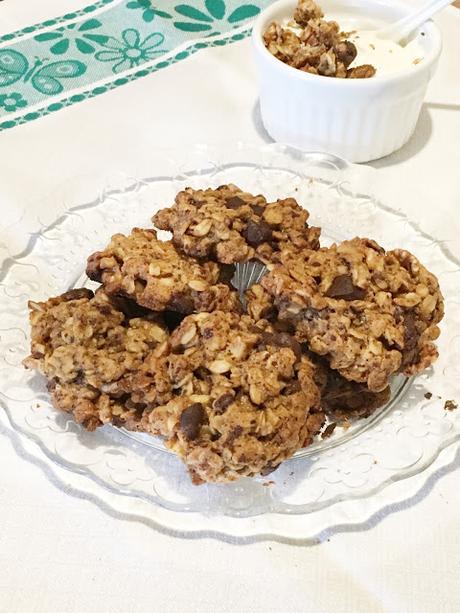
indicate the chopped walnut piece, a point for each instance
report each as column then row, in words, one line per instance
column 327, row 64
column 361, row 72
column 307, row 10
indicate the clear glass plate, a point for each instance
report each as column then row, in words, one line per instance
column 352, row 470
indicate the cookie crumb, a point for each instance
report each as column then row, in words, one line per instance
column 428, row 395
column 450, row 405
column 417, row 60
column 268, row 483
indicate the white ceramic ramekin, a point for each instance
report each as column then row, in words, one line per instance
column 357, row 119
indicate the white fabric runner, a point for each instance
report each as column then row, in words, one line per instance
column 58, row 553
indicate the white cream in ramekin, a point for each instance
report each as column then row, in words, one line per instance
column 357, row 119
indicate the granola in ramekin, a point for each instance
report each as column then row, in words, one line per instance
column 314, row 45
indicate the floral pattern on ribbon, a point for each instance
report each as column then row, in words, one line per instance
column 214, row 11
column 12, row 102
column 131, row 50
column 81, row 36
column 149, row 11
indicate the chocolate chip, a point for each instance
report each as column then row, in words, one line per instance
column 346, row 52
column 226, row 273
column 282, row 339
column 78, row 294
column 328, row 431
column 93, row 270
column 257, row 232
column 410, row 330
column 191, row 420
column 234, row 202
column 268, row 469
column 292, row 388
column 181, row 302
column 428, row 395
column 342, row 288
column 128, row 307
column 173, row 319
column 411, row 338
column 258, row 209
column 221, row 404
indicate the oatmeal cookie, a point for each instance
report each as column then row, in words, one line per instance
column 86, row 346
column 156, row 276
column 229, row 225
column 245, row 398
column 371, row 313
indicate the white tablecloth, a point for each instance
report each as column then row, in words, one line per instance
column 59, row 553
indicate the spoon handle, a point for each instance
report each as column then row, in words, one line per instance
column 401, row 29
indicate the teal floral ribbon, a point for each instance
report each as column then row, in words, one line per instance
column 74, row 57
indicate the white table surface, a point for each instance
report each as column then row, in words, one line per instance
column 62, row 554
